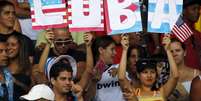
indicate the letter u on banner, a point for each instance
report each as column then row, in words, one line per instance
column 122, row 16
column 85, row 15
column 48, row 14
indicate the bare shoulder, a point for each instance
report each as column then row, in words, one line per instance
column 196, row 82
column 187, row 74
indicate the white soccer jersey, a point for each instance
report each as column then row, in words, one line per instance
column 108, row 88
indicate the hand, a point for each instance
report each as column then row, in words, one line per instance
column 125, row 41
column 49, row 35
column 88, row 37
column 113, row 72
column 166, row 42
column 128, row 94
column 77, row 89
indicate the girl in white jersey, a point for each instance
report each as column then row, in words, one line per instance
column 147, row 74
column 105, row 79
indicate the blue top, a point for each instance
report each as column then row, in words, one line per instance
column 9, row 84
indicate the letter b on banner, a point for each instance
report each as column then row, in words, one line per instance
column 123, row 16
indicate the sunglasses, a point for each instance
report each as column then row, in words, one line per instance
column 60, row 43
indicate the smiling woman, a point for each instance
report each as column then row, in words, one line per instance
column 19, row 63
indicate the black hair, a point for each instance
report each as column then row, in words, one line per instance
column 147, row 63
column 139, row 49
column 4, row 3
column 104, row 42
column 23, row 55
column 2, row 39
column 176, row 40
column 143, row 64
column 60, row 67
column 187, row 3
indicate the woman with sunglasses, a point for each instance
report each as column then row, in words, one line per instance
column 147, row 75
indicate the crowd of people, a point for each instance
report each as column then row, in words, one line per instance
column 137, row 66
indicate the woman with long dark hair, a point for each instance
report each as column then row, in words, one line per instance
column 19, row 63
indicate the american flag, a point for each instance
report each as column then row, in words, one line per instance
column 181, row 30
column 50, row 8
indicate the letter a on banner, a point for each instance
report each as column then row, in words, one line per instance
column 85, row 15
column 163, row 14
column 122, row 16
column 48, row 14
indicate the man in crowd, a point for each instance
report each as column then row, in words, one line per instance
column 191, row 13
column 62, row 43
column 6, row 82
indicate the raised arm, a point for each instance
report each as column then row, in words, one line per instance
column 124, row 83
column 49, row 35
column 174, row 76
column 89, row 60
column 122, row 66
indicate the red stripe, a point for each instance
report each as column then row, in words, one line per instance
column 86, row 13
column 181, row 33
column 187, row 33
column 86, row 29
column 69, row 21
column 52, row 10
column 188, row 29
column 69, row 6
column 69, row 14
column 177, row 33
column 33, row 20
column 49, row 26
column 86, row 5
column 65, row 17
column 107, row 20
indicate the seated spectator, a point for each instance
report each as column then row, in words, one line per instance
column 39, row 92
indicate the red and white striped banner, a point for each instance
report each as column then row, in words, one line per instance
column 82, row 17
column 48, row 15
